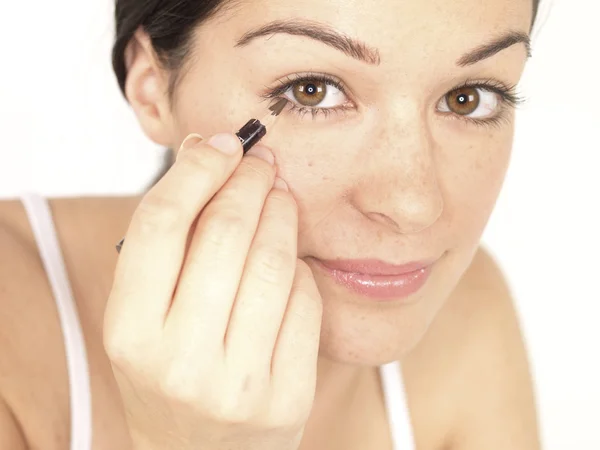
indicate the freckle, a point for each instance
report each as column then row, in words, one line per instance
column 310, row 164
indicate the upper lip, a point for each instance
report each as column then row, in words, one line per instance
column 374, row 266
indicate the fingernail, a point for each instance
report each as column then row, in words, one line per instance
column 191, row 140
column 280, row 184
column 262, row 152
column 227, row 143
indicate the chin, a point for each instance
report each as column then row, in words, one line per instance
column 360, row 331
column 371, row 334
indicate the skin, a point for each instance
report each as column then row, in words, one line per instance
column 403, row 183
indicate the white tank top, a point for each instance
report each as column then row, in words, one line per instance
column 42, row 224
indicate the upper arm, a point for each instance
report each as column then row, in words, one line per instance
column 492, row 377
column 19, row 295
column 11, row 436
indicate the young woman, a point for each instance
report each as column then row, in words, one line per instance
column 325, row 291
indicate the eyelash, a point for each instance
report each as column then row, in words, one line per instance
column 292, row 80
column 509, row 98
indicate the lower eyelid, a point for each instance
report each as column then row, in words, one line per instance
column 302, row 111
column 495, row 121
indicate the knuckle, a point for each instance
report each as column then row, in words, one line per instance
column 156, row 212
column 113, row 346
column 241, row 400
column 223, row 227
column 271, row 262
column 121, row 349
column 178, row 385
column 233, row 410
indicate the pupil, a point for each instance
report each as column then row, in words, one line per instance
column 311, row 89
column 462, row 99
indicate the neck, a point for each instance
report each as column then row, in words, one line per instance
column 340, row 390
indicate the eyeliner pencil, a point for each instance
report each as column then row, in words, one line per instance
column 251, row 133
column 254, row 129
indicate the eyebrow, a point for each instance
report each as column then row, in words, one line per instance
column 319, row 32
column 365, row 53
column 491, row 48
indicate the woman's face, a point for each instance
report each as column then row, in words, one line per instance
column 384, row 160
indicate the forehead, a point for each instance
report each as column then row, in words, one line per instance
column 405, row 32
column 383, row 21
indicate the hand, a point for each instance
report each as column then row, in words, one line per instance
column 212, row 325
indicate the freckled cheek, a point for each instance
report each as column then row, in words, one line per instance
column 319, row 166
column 472, row 181
column 307, row 166
column 310, row 157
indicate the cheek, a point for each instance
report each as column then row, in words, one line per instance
column 316, row 164
column 472, row 178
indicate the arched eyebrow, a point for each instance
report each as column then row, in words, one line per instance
column 319, row 32
column 361, row 51
column 498, row 44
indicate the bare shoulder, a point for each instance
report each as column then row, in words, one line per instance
column 21, row 271
column 476, row 343
column 32, row 360
column 28, row 335
column 11, row 436
column 86, row 229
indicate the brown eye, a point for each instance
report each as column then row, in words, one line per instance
column 310, row 93
column 463, row 101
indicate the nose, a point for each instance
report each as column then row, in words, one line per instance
column 398, row 184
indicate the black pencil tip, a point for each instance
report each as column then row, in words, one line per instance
column 278, row 107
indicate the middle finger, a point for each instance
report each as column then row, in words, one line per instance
column 213, row 268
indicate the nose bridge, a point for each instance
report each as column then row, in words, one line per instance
column 402, row 136
column 399, row 187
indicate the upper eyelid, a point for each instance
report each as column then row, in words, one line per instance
column 285, row 82
column 507, row 92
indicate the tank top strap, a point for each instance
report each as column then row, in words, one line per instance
column 397, row 408
column 40, row 217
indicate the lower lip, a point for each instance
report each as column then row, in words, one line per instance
column 380, row 287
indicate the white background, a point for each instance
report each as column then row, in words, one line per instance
column 66, row 131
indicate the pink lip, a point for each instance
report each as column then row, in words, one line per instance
column 376, row 279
